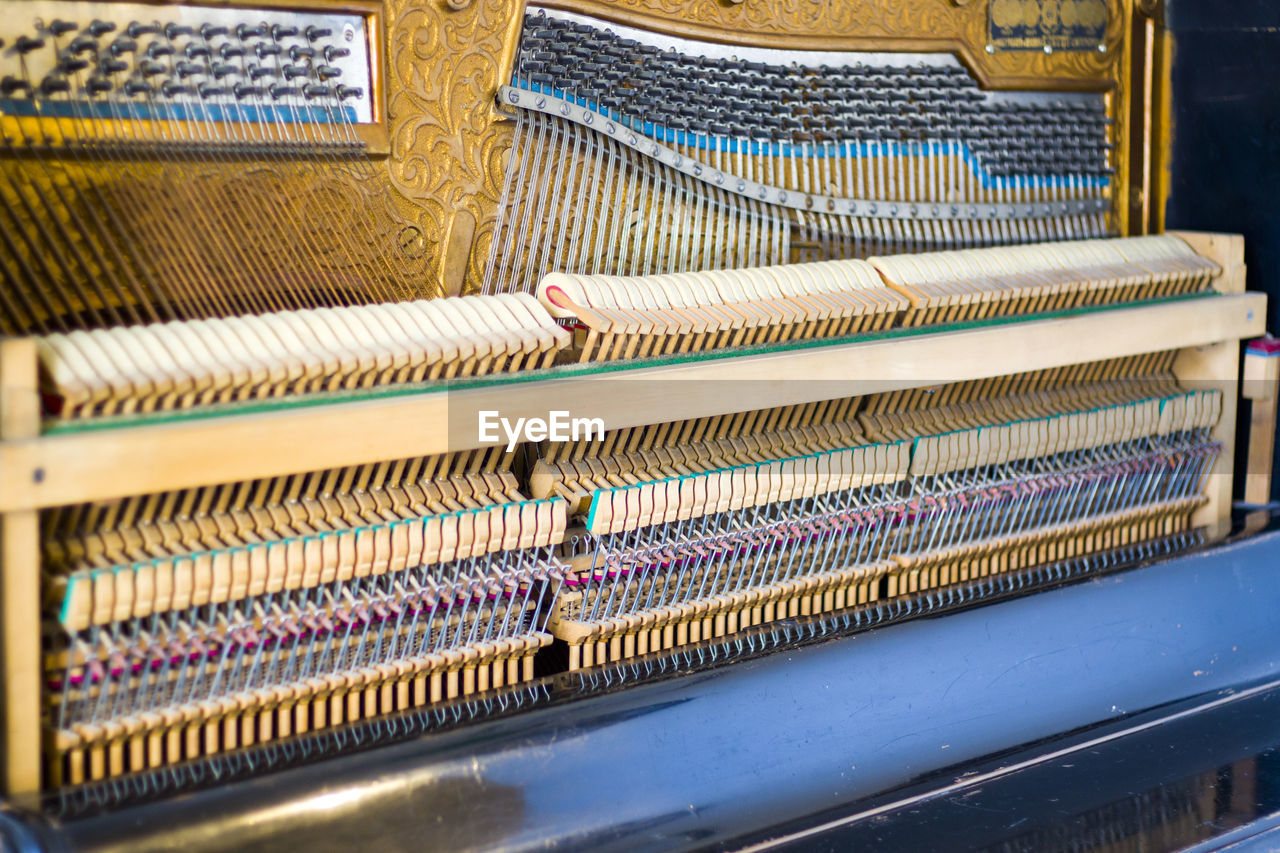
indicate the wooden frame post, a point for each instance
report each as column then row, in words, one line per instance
column 20, row 727
column 1261, row 378
column 1217, row 366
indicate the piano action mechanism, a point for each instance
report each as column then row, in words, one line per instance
column 859, row 302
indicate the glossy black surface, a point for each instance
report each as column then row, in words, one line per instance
column 1159, row 783
column 1226, row 134
column 729, row 754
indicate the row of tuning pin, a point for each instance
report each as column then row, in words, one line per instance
column 747, row 99
column 249, row 61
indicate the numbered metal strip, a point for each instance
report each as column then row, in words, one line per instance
column 793, row 199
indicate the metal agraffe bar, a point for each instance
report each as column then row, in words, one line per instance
column 812, row 202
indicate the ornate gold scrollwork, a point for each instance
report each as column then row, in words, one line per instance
column 446, row 58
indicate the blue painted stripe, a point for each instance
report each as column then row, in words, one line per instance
column 175, row 111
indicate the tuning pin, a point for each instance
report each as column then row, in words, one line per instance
column 173, row 31
column 60, row 28
column 98, row 29
column 9, row 85
column 136, row 29
column 209, row 32
column 70, row 65
column 54, row 85
column 26, row 44
column 97, row 85
column 83, row 44
column 316, row 33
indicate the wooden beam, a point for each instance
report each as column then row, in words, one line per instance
column 100, row 464
column 20, row 729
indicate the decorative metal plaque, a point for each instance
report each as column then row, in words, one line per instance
column 1047, row 24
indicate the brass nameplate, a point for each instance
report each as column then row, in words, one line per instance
column 1048, row 24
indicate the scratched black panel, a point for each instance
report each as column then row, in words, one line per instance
column 1226, row 133
column 1210, row 774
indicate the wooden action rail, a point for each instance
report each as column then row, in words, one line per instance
column 84, row 467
